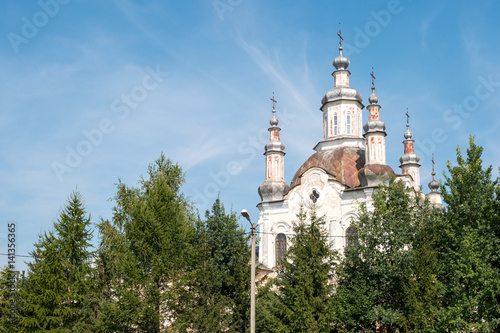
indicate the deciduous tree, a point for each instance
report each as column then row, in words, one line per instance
column 469, row 247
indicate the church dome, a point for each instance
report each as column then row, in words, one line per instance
column 341, row 62
column 273, row 190
column 373, row 173
column 342, row 93
column 373, row 99
column 374, row 126
column 343, row 164
column 276, row 146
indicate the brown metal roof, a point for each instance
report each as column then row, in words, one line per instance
column 343, row 164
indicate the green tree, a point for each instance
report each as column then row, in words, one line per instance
column 422, row 290
column 386, row 279
column 116, row 290
column 213, row 296
column 145, row 249
column 304, row 286
column 470, row 247
column 54, row 293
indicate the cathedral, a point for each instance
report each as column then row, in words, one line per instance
column 344, row 171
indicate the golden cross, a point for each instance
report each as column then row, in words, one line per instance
column 373, row 78
column 340, row 35
column 407, row 116
column 432, row 163
column 274, row 101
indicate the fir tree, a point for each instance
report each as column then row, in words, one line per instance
column 214, row 295
column 55, row 290
column 304, row 284
column 469, row 249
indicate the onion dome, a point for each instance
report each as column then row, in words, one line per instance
column 341, row 62
column 274, row 121
column 434, row 195
column 408, row 133
column 373, row 99
column 433, row 185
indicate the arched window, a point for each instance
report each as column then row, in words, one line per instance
column 335, row 123
column 280, row 247
column 350, row 239
column 348, row 122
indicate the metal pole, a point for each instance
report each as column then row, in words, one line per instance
column 252, row 287
column 245, row 214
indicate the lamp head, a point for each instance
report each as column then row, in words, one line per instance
column 245, row 214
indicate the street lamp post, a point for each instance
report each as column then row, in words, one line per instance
column 252, row 283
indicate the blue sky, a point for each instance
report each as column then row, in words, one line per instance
column 93, row 91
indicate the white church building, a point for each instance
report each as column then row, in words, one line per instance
column 344, row 170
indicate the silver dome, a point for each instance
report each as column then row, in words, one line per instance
column 342, row 93
column 341, row 62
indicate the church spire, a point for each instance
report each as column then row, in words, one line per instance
column 409, row 160
column 341, row 106
column 435, row 196
column 375, row 160
column 274, row 187
column 341, row 62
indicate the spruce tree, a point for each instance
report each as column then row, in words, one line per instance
column 213, row 296
column 469, row 247
column 54, row 293
column 304, row 283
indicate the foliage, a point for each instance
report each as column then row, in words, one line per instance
column 386, row 279
column 213, row 296
column 55, row 291
column 303, row 287
column 144, row 249
column 470, row 248
column 8, row 294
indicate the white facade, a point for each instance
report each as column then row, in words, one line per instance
column 343, row 172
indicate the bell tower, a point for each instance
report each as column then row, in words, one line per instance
column 341, row 108
column 274, row 187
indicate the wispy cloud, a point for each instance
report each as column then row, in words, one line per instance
column 428, row 21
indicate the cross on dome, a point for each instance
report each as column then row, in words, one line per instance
column 408, row 133
column 373, row 99
column 274, row 101
column 340, row 36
